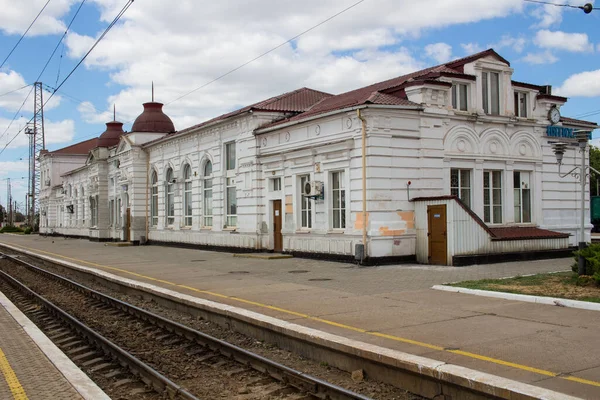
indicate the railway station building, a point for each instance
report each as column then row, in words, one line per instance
column 442, row 165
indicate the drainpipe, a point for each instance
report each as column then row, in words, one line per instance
column 364, row 181
column 147, row 188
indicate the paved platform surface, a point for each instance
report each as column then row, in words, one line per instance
column 390, row 306
column 26, row 371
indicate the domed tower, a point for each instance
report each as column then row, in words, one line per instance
column 153, row 120
column 110, row 137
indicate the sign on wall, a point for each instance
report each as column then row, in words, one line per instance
column 561, row 132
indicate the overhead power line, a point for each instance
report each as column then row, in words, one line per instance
column 15, row 90
column 24, row 33
column 108, row 28
column 266, row 52
column 587, row 8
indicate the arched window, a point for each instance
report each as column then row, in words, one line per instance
column 154, row 198
column 187, row 195
column 207, row 195
column 83, row 207
column 76, row 208
column 170, row 203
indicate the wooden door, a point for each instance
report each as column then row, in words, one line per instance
column 128, row 226
column 277, row 236
column 436, row 233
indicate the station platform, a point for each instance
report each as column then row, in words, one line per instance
column 392, row 307
column 32, row 367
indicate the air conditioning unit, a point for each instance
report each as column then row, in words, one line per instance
column 70, row 209
column 312, row 189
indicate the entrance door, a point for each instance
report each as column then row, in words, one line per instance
column 436, row 233
column 277, row 236
column 128, row 226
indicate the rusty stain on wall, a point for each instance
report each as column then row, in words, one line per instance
column 408, row 217
column 358, row 223
column 385, row 231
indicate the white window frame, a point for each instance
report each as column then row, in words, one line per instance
column 187, row 195
column 230, row 156
column 518, row 96
column 230, row 192
column 460, row 188
column 154, row 199
column 111, row 214
column 305, row 205
column 207, row 195
column 276, row 184
column 492, row 204
column 169, row 197
column 486, row 92
column 338, row 208
column 457, row 103
column 522, row 196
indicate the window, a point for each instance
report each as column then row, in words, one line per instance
column 119, row 213
column 522, row 193
column 460, row 185
column 187, row 195
column 459, row 96
column 170, row 203
column 521, row 104
column 93, row 211
column 207, row 195
column 491, row 92
column 231, row 202
column 492, row 197
column 154, row 202
column 76, row 208
column 111, row 215
column 230, row 156
column 83, row 207
column 338, row 194
column 276, row 184
column 305, row 205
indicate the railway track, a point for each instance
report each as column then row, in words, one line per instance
column 145, row 355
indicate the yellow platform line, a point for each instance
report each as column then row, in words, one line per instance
column 11, row 378
column 333, row 323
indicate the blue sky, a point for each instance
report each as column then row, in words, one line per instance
column 183, row 47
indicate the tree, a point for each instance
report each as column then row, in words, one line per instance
column 594, row 163
column 2, row 214
column 19, row 217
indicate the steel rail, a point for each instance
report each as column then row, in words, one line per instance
column 282, row 373
column 147, row 374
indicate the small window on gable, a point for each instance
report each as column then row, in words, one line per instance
column 521, row 104
column 459, row 96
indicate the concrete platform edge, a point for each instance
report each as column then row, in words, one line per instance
column 467, row 378
column 75, row 376
column 551, row 301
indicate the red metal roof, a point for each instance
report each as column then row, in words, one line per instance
column 78, row 148
column 525, row 232
column 111, row 135
column 578, row 122
column 153, row 119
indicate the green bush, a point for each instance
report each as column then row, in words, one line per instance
column 11, row 229
column 28, row 230
column 592, row 261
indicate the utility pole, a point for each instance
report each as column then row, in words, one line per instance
column 8, row 202
column 37, row 143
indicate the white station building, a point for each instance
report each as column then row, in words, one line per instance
column 448, row 165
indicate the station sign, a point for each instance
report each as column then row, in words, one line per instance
column 562, row 132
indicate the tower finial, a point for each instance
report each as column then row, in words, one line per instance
column 114, row 112
column 153, row 91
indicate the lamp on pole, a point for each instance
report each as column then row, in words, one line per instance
column 578, row 172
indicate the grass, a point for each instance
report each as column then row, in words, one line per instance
column 565, row 285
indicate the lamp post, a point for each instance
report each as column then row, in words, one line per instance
column 581, row 173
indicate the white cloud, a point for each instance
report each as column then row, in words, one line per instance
column 54, row 132
column 471, row 48
column 16, row 16
column 517, row 44
column 584, row 84
column 170, row 46
column 548, row 15
column 440, row 52
column 575, row 42
column 10, row 81
column 545, row 57
column 7, row 167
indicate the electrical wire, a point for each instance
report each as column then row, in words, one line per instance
column 108, row 28
column 265, row 53
column 558, row 5
column 24, row 33
column 15, row 90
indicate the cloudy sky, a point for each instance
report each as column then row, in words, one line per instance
column 183, row 45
